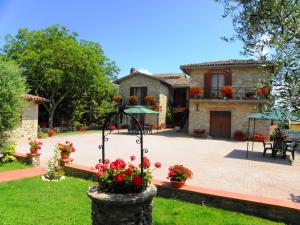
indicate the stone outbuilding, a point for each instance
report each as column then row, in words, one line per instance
column 28, row 126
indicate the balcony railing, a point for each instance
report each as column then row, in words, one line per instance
column 246, row 93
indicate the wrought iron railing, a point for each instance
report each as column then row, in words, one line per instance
column 246, row 93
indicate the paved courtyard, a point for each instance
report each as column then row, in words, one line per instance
column 217, row 164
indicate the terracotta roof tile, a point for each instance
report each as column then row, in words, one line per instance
column 34, row 98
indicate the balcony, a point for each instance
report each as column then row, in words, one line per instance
column 238, row 93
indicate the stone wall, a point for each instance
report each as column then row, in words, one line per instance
column 29, row 122
column 240, row 110
column 154, row 87
column 241, row 77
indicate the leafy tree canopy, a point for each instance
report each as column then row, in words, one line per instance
column 272, row 25
column 58, row 66
column 12, row 86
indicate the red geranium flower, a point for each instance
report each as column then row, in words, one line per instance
column 146, row 163
column 98, row 166
column 157, row 164
column 137, row 181
column 132, row 157
column 106, row 161
column 119, row 178
column 100, row 173
column 128, row 172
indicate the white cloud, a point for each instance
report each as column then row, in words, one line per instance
column 142, row 70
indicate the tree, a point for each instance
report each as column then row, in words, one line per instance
column 12, row 86
column 58, row 66
column 272, row 25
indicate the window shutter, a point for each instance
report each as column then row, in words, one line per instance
column 131, row 91
column 228, row 78
column 144, row 94
column 207, row 85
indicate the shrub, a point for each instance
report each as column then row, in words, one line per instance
column 227, row 90
column 51, row 132
column 8, row 151
column 117, row 99
column 195, row 91
column 149, row 99
column 200, row 133
column 121, row 177
column 239, row 135
column 12, row 86
column 132, row 99
column 259, row 137
column 179, row 173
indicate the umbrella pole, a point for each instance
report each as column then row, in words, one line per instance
column 253, row 134
column 248, row 131
column 157, row 123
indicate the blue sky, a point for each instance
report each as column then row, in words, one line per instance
column 154, row 35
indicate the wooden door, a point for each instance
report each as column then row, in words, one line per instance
column 220, row 124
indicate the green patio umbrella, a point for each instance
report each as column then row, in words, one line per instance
column 277, row 114
column 142, row 110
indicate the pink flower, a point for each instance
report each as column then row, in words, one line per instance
column 106, row 161
column 100, row 173
column 132, row 158
column 98, row 166
column 157, row 164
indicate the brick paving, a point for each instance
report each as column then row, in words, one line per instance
column 21, row 173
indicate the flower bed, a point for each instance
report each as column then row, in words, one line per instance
column 200, row 133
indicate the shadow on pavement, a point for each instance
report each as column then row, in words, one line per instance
column 256, row 156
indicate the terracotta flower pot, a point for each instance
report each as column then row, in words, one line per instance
column 33, row 150
column 65, row 155
column 177, row 184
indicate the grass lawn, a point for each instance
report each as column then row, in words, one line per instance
column 13, row 166
column 71, row 133
column 36, row 202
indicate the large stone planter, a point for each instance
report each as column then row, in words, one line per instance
column 125, row 209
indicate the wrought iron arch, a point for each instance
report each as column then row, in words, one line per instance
column 121, row 113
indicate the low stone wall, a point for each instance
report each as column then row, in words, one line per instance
column 28, row 158
column 273, row 209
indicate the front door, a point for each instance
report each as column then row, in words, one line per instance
column 220, row 124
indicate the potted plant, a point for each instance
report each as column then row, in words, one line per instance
column 65, row 149
column 227, row 91
column 35, row 145
column 265, row 90
column 260, row 137
column 156, row 106
column 121, row 191
column 178, row 174
column 117, row 99
column 239, row 135
column 149, row 99
column 51, row 132
column 195, row 92
column 200, row 133
column 132, row 99
column 54, row 171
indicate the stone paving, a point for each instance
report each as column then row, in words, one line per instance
column 217, row 164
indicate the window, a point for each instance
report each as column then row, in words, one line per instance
column 140, row 92
column 217, row 81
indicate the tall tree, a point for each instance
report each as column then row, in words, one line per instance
column 12, row 86
column 58, row 66
column 272, row 25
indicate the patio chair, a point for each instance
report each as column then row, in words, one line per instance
column 291, row 147
column 267, row 146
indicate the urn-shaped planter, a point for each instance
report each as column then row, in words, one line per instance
column 125, row 209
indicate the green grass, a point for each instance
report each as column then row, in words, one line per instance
column 13, row 166
column 71, row 133
column 36, row 202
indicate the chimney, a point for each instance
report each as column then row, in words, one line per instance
column 132, row 70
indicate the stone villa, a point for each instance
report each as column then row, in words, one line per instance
column 219, row 116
